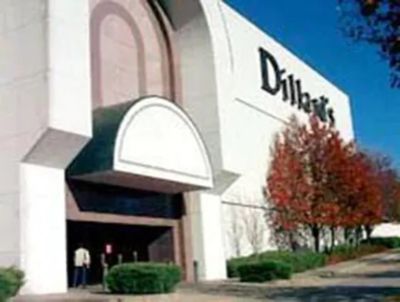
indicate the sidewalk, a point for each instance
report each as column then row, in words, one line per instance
column 180, row 296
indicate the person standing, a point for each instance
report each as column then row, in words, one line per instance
column 81, row 265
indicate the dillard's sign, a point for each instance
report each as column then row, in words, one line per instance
column 274, row 80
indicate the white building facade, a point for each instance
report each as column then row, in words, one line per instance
column 143, row 126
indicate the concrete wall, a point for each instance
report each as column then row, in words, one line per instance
column 23, row 107
column 43, row 226
column 252, row 117
column 44, row 122
column 387, row 230
column 201, row 42
column 155, row 124
column 205, row 212
column 222, row 92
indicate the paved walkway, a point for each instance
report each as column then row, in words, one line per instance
column 373, row 278
column 181, row 296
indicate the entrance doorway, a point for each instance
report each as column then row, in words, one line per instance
column 121, row 243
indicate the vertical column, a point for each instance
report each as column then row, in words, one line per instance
column 185, row 230
column 65, row 129
column 205, row 210
column 23, row 107
column 69, row 66
column 43, row 229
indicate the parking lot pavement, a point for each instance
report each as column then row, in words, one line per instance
column 176, row 297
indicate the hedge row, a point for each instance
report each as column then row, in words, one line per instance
column 143, row 278
column 262, row 271
column 347, row 252
column 281, row 264
column 11, row 280
column 389, row 242
column 299, row 262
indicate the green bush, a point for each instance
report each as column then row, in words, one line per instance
column 11, row 280
column 389, row 242
column 307, row 260
column 346, row 252
column 234, row 263
column 299, row 261
column 261, row 271
column 143, row 278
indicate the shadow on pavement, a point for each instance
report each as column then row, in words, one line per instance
column 334, row 293
column 388, row 274
column 380, row 275
column 391, row 259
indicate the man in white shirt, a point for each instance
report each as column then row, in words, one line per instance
column 81, row 265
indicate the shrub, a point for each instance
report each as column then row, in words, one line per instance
column 261, row 271
column 389, row 242
column 299, row 261
column 346, row 252
column 233, row 265
column 303, row 261
column 11, row 280
column 143, row 278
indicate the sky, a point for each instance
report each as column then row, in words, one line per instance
column 310, row 29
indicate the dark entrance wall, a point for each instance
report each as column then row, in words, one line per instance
column 159, row 249
column 96, row 206
column 100, row 198
column 128, row 242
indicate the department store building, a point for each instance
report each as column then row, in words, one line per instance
column 143, row 130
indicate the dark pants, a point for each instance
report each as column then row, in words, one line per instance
column 80, row 276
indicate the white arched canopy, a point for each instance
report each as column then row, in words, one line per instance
column 150, row 144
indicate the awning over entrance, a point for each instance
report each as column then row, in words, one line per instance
column 149, row 144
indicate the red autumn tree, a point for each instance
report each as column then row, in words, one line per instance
column 297, row 182
column 358, row 189
column 339, row 174
column 389, row 183
column 391, row 205
column 322, row 202
column 317, row 181
column 364, row 192
column 385, row 181
column 287, row 185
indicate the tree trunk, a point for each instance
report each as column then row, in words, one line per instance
column 358, row 235
column 368, row 230
column 316, row 235
column 347, row 235
column 333, row 237
column 292, row 242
